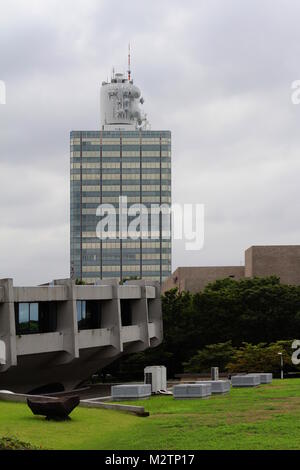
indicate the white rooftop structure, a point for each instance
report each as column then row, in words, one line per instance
column 120, row 104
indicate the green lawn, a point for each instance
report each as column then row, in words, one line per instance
column 267, row 417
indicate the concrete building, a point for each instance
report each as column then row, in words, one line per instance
column 194, row 279
column 260, row 261
column 61, row 333
column 122, row 159
column 282, row 261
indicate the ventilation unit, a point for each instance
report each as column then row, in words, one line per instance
column 156, row 376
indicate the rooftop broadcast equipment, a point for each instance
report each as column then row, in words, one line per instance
column 121, row 102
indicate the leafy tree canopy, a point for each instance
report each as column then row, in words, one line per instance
column 253, row 311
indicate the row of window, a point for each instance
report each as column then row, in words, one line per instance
column 89, row 314
column 125, row 141
column 127, row 244
column 117, row 146
column 132, row 244
column 108, row 154
column 94, row 255
column 91, row 197
column 92, row 161
column 107, row 255
column 132, row 187
column 35, row 317
column 134, row 199
column 89, row 222
column 41, row 317
column 154, row 199
column 96, row 246
column 125, row 268
column 124, row 165
column 151, row 277
column 113, row 134
column 135, row 256
column 115, row 173
column 87, row 177
column 90, row 278
column 115, row 179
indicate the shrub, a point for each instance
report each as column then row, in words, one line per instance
column 11, row 443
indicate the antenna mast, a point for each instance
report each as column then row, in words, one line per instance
column 129, row 63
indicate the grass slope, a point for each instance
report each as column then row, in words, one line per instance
column 267, row 417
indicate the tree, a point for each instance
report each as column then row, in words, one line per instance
column 214, row 355
column 261, row 358
column 250, row 310
column 254, row 311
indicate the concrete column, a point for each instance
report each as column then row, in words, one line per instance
column 8, row 324
column 140, row 316
column 67, row 322
column 111, row 315
column 155, row 313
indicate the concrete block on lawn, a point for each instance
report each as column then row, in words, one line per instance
column 266, row 378
column 130, row 392
column 249, row 380
column 217, row 386
column 186, row 391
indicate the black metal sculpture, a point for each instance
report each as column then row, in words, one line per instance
column 57, row 409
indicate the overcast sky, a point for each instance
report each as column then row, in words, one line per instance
column 217, row 73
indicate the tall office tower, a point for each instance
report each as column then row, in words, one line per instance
column 124, row 159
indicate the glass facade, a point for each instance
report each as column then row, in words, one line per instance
column 104, row 166
column 35, row 317
column 88, row 314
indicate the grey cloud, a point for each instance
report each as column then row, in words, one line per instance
column 216, row 73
